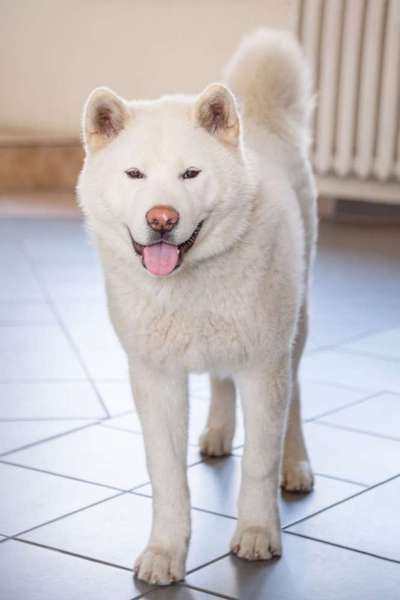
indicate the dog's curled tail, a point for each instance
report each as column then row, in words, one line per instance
column 270, row 77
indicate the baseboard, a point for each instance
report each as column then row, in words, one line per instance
column 44, row 167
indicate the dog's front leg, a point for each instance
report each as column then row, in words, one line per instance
column 161, row 401
column 264, row 391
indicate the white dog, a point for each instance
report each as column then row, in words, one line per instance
column 203, row 209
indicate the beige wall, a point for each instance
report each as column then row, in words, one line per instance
column 53, row 52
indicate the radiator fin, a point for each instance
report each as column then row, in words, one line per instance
column 353, row 47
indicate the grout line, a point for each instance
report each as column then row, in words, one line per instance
column 182, row 585
column 80, row 358
column 50, row 419
column 192, row 507
column 130, row 570
column 339, row 386
column 70, row 477
column 233, row 518
column 209, row 592
column 35, row 324
column 377, row 357
column 340, row 408
column 350, row 340
column 66, row 515
column 28, row 301
column 323, row 475
column 63, row 327
column 43, row 380
column 104, row 423
column 69, row 553
column 350, row 549
column 343, row 500
column 50, row 438
column 340, row 349
column 117, row 428
column 148, row 482
column 208, row 563
column 342, row 479
column 354, row 430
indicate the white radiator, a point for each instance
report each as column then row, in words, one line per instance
column 354, row 50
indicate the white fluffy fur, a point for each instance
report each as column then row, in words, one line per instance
column 237, row 306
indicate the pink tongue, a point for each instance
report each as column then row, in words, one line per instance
column 160, row 259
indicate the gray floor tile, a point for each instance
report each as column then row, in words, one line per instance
column 29, row 498
column 18, row 284
column 350, row 455
column 89, row 325
column 93, row 335
column 385, row 344
column 374, row 519
column 199, row 386
column 329, row 328
column 353, row 370
column 27, row 571
column 106, row 364
column 379, row 415
column 127, row 422
column 116, row 395
column 59, row 241
column 39, row 366
column 179, row 592
column 197, row 421
column 116, row 531
column 26, row 313
column 90, row 329
column 17, row 434
column 35, row 353
column 72, row 282
column 214, row 486
column 49, row 400
column 345, row 295
column 306, row 570
column 319, row 398
column 33, row 338
column 98, row 454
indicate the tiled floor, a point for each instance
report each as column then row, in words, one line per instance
column 75, row 502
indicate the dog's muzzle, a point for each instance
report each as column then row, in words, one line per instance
column 163, row 257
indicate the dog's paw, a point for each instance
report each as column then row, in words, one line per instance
column 297, row 476
column 257, row 543
column 216, row 441
column 160, row 565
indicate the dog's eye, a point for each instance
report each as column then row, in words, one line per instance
column 190, row 173
column 135, row 174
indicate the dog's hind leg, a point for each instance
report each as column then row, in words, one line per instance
column 264, row 389
column 297, row 474
column 216, row 439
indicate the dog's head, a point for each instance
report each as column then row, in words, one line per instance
column 167, row 177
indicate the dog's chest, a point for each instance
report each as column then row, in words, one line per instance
column 197, row 334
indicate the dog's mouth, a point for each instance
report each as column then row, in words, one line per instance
column 163, row 257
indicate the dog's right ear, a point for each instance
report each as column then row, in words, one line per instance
column 105, row 115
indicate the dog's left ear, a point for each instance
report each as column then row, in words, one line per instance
column 215, row 110
column 105, row 115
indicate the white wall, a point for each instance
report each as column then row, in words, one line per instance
column 53, row 52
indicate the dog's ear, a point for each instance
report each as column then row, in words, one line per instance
column 215, row 110
column 105, row 115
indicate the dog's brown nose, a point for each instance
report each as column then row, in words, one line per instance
column 162, row 218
